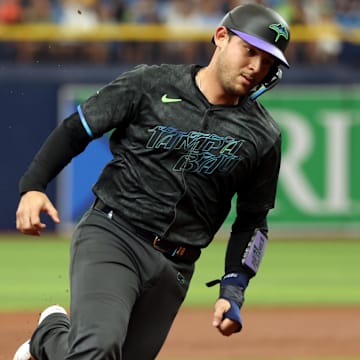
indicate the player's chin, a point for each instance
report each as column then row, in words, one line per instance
column 242, row 88
column 241, row 91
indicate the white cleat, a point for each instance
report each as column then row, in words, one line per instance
column 23, row 352
column 53, row 309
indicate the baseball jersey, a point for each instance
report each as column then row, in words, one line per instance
column 177, row 159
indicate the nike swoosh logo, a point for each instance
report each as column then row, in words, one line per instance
column 165, row 99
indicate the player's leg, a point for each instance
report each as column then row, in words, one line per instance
column 53, row 313
column 51, row 333
column 104, row 287
column 105, row 284
column 155, row 310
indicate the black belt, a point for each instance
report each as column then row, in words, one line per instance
column 171, row 250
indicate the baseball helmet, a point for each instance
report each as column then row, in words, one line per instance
column 261, row 27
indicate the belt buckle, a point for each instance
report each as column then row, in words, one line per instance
column 156, row 241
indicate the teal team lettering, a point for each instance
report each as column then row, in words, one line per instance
column 200, row 152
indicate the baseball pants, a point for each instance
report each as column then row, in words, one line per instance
column 124, row 296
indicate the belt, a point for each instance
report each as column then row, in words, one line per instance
column 185, row 253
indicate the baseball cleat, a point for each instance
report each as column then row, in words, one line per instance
column 53, row 309
column 23, row 352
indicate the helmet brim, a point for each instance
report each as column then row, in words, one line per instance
column 262, row 45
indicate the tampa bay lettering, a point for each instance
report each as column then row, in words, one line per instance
column 202, row 153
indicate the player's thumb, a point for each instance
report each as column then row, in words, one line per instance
column 221, row 307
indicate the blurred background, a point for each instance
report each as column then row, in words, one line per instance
column 56, row 53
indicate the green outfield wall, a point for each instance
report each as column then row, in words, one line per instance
column 319, row 184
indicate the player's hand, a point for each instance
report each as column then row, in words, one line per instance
column 31, row 205
column 225, row 326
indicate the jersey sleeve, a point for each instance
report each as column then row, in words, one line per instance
column 113, row 105
column 65, row 142
column 253, row 205
column 260, row 193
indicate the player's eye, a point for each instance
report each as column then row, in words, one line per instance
column 268, row 61
column 249, row 50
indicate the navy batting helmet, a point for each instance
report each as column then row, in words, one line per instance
column 261, row 27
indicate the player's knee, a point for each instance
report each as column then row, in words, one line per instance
column 108, row 345
column 101, row 345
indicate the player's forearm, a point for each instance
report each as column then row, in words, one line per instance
column 243, row 231
column 64, row 143
column 245, row 249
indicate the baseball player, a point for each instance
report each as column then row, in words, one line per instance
column 185, row 139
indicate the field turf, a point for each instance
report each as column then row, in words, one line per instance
column 34, row 273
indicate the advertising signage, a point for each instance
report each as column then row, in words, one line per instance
column 319, row 184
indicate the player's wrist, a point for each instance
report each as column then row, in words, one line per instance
column 232, row 289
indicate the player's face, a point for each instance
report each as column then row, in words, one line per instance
column 241, row 66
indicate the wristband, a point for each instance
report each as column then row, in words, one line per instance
column 234, row 314
column 232, row 288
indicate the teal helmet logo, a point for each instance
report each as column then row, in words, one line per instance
column 280, row 30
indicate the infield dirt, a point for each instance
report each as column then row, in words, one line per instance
column 269, row 333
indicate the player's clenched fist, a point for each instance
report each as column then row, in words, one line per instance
column 31, row 205
column 225, row 325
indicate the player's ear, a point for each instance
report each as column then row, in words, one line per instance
column 221, row 34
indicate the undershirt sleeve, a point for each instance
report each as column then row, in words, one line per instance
column 64, row 143
column 242, row 231
column 252, row 209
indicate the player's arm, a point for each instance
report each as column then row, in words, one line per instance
column 248, row 239
column 244, row 252
column 69, row 139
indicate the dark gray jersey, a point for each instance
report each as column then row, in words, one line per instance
column 177, row 159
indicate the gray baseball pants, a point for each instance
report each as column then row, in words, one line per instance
column 124, row 296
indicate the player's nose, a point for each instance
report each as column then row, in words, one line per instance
column 255, row 63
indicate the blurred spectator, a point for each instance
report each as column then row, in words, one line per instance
column 145, row 12
column 326, row 48
column 11, row 11
column 178, row 14
column 210, row 13
column 36, row 11
column 121, row 12
column 294, row 13
column 347, row 13
column 112, row 11
column 81, row 16
column 142, row 12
